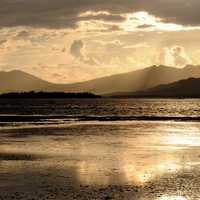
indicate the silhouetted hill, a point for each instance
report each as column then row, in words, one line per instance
column 133, row 81
column 188, row 88
column 48, row 95
column 16, row 81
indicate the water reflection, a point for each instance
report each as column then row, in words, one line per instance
column 148, row 170
column 172, row 198
column 138, row 158
column 98, row 155
column 183, row 139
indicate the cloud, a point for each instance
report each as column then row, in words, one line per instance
column 118, row 45
column 180, row 56
column 3, row 41
column 165, row 57
column 101, row 15
column 76, row 50
column 174, row 56
column 118, row 52
column 110, row 44
column 53, row 14
column 23, row 35
column 66, row 13
column 145, row 26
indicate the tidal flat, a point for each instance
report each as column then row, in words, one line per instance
column 136, row 160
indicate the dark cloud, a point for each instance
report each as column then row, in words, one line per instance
column 76, row 50
column 2, row 41
column 102, row 16
column 144, row 26
column 65, row 13
column 23, row 35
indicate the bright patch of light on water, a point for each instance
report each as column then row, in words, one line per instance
column 172, row 198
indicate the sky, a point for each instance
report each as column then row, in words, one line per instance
column 66, row 41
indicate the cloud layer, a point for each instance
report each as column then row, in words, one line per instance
column 174, row 56
column 66, row 13
column 76, row 40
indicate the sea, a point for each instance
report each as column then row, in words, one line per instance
column 62, row 111
column 140, row 149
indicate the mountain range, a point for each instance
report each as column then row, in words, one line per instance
column 139, row 80
column 182, row 89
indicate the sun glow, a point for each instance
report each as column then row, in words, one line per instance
column 172, row 198
column 180, row 138
column 92, row 13
column 135, row 173
column 145, row 21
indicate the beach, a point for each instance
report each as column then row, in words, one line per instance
column 101, row 160
column 111, row 158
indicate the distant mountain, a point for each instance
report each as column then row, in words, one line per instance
column 134, row 81
column 20, row 81
column 181, row 89
column 15, row 81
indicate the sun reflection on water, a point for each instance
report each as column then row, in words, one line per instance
column 133, row 157
column 172, row 198
column 136, row 160
column 184, row 136
column 138, row 174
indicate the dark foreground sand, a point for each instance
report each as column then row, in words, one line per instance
column 133, row 160
column 179, row 187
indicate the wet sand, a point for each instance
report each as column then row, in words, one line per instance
column 136, row 160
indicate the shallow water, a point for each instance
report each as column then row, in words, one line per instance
column 101, row 107
column 92, row 159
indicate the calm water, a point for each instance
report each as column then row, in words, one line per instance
column 102, row 107
column 61, row 111
column 69, row 157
